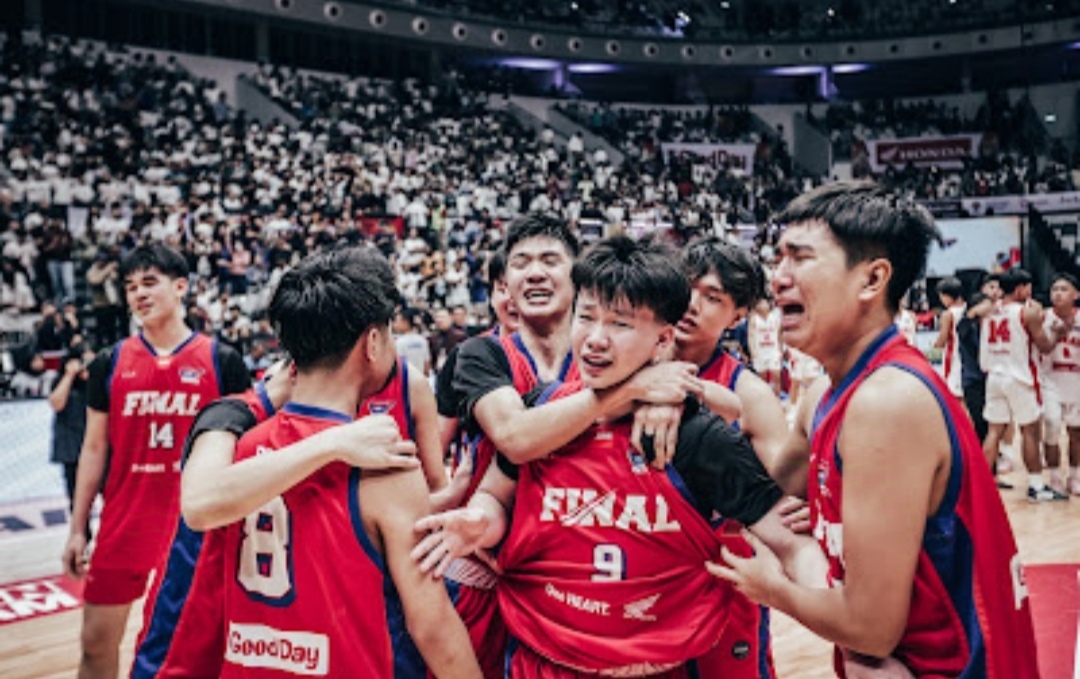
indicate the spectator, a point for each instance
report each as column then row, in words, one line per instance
column 105, row 298
column 445, row 337
column 68, row 401
column 410, row 344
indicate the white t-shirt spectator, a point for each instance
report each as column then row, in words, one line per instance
column 414, row 349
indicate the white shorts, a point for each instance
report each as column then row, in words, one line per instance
column 769, row 362
column 1009, row 400
column 1056, row 413
column 805, row 369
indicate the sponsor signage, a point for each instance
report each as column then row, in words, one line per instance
column 946, row 152
column 735, row 156
column 36, row 598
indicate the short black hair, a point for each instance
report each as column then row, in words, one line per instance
column 951, row 286
column 323, row 306
column 1013, row 279
column 645, row 273
column 539, row 225
column 496, row 268
column 1067, row 277
column 869, row 222
column 740, row 273
column 154, row 256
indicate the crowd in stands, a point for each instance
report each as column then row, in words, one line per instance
column 105, row 148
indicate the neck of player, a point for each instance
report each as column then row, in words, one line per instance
column 328, row 389
column 697, row 353
column 165, row 336
column 844, row 352
column 548, row 342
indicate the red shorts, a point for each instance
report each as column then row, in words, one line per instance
column 744, row 651
column 479, row 610
column 528, row 664
column 114, row 586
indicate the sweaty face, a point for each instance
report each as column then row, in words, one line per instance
column 538, row 278
column 815, row 290
column 711, row 311
column 612, row 342
column 152, row 296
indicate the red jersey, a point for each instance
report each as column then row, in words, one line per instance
column 153, row 402
column 182, row 634
column 969, row 612
column 744, row 649
column 603, row 568
column 393, row 400
column 304, row 584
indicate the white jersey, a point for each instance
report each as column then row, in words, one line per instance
column 906, row 324
column 765, row 336
column 1005, row 346
column 1061, row 367
column 950, row 360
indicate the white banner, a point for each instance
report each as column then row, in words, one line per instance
column 735, row 156
column 949, row 152
column 1066, row 201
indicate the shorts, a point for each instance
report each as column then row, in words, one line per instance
column 1009, row 400
column 524, row 663
column 768, row 363
column 114, row 586
column 479, row 611
column 1056, row 414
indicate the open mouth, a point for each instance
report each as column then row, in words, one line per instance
column 594, row 365
column 791, row 313
column 538, row 296
column 686, row 325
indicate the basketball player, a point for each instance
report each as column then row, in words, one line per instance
column 805, row 370
column 492, row 376
column 1010, row 336
column 725, row 281
column 143, row 394
column 903, row 506
column 1061, row 370
column 951, row 292
column 907, row 324
column 602, row 569
column 765, row 349
column 307, row 574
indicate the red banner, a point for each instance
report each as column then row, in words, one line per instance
column 947, row 152
column 373, row 225
column 36, row 598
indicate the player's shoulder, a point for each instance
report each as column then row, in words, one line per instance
column 894, row 393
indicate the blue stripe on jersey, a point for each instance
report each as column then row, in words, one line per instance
column 735, row 376
column 764, row 636
column 264, row 398
column 717, row 354
column 405, row 395
column 516, row 337
column 567, row 363
column 217, row 361
column 169, row 605
column 684, row 490
column 315, row 411
column 358, row 521
column 947, row 542
column 512, row 645
column 834, row 394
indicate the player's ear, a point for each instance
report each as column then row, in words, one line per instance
column 665, row 344
column 876, row 276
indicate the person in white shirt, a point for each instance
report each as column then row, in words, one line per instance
column 1061, row 373
column 410, row 344
column 764, row 339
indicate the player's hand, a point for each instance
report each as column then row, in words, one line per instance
column 864, row 667
column 453, row 495
column 74, row 557
column 372, row 442
column 656, row 432
column 451, row 535
column 72, row 367
column 760, row 577
column 664, row 383
column 795, row 514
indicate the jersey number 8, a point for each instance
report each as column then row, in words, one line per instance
column 265, row 567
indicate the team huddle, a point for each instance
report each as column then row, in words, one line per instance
column 626, row 498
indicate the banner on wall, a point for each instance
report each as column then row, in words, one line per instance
column 735, row 156
column 948, row 152
column 1066, row 201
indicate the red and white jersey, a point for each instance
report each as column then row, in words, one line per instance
column 153, row 403
column 304, row 584
column 1005, row 346
column 950, row 364
column 908, row 326
column 603, row 568
column 1061, row 367
column 969, row 612
column 765, row 335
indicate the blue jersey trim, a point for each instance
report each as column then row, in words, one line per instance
column 217, row 362
column 177, row 350
column 304, row 410
column 170, row 602
column 520, row 344
column 834, row 394
column 358, row 522
column 764, row 641
column 264, row 399
column 684, row 490
column 567, row 363
column 717, row 353
column 112, row 367
column 512, row 645
column 406, row 397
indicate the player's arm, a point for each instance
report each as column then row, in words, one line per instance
column 1033, row 322
column 790, row 465
column 93, row 459
column 215, row 492
column 426, row 430
column 945, row 322
column 482, row 524
column 892, row 445
column 523, row 434
column 395, row 502
column 721, row 400
column 764, row 423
